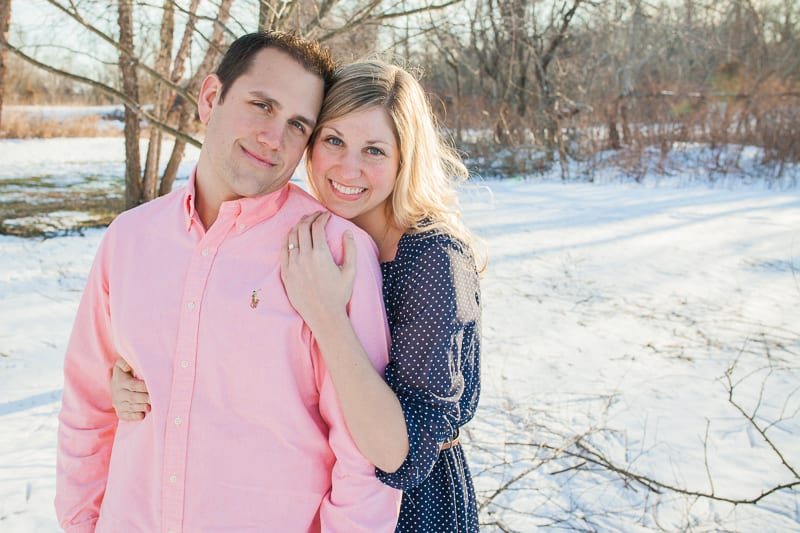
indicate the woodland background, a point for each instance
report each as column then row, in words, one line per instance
column 522, row 85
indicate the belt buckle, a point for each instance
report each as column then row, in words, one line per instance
column 446, row 445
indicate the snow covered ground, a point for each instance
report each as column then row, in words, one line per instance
column 612, row 315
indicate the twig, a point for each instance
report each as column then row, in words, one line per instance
column 588, row 455
column 705, row 456
column 757, row 427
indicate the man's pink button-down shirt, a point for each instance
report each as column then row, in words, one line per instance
column 245, row 432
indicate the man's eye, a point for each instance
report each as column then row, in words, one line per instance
column 299, row 125
column 262, row 105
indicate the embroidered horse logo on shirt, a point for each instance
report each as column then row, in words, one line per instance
column 254, row 299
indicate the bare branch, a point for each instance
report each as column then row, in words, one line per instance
column 423, row 9
column 365, row 16
column 110, row 91
column 705, row 456
column 217, row 23
column 755, row 425
column 558, row 38
column 591, row 456
column 179, row 65
column 136, row 61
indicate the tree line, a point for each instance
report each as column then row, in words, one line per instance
column 521, row 84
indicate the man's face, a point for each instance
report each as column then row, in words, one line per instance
column 256, row 136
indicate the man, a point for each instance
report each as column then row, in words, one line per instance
column 245, row 432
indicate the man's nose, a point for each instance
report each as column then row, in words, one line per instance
column 270, row 136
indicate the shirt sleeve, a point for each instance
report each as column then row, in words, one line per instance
column 358, row 501
column 435, row 316
column 87, row 422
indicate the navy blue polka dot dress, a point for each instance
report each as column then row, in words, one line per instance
column 432, row 300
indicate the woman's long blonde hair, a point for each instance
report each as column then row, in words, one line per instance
column 424, row 196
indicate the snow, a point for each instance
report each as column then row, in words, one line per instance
column 612, row 312
column 68, row 161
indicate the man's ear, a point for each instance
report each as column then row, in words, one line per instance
column 209, row 93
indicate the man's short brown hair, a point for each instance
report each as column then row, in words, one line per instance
column 308, row 53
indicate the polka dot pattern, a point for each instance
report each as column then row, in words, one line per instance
column 432, row 298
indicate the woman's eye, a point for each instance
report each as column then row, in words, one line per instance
column 374, row 151
column 335, row 141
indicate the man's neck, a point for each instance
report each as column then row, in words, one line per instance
column 207, row 210
column 206, row 203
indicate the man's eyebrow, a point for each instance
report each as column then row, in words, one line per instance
column 274, row 103
column 307, row 121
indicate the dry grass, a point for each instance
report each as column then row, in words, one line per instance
column 18, row 125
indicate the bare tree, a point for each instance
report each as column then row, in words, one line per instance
column 635, row 73
column 162, row 97
column 183, row 108
column 516, row 43
column 165, row 94
column 171, row 104
column 5, row 20
column 546, row 46
column 130, row 86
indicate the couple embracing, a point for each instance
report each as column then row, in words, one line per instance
column 247, row 357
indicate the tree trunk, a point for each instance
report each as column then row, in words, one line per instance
column 611, row 118
column 171, row 171
column 130, row 86
column 163, row 94
column 627, row 135
column 546, row 112
column 547, row 92
column 456, row 105
column 613, row 134
column 5, row 20
column 184, row 109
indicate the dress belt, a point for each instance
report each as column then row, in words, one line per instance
column 452, row 442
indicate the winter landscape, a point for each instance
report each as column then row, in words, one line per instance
column 637, row 189
column 640, row 345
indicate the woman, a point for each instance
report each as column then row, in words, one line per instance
column 376, row 158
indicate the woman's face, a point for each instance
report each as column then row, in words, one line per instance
column 354, row 165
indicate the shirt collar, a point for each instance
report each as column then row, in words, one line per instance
column 188, row 201
column 247, row 211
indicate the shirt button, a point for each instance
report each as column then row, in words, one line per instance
column 190, row 306
column 184, row 364
column 205, row 251
column 173, row 479
column 178, row 421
